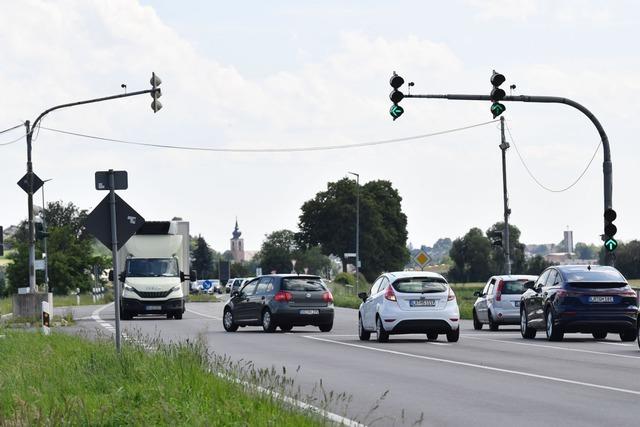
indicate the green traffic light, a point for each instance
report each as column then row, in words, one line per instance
column 611, row 244
column 497, row 109
column 396, row 111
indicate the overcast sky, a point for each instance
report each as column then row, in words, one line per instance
column 255, row 74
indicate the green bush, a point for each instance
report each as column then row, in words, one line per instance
column 345, row 279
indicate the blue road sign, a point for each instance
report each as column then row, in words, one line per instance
column 207, row 284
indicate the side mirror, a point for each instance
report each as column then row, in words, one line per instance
column 234, row 294
column 182, row 278
column 122, row 276
column 111, row 275
column 477, row 294
column 363, row 296
column 529, row 284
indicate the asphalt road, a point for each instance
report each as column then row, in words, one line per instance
column 487, row 378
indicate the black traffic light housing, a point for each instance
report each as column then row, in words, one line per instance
column 1, row 241
column 610, row 230
column 396, row 96
column 497, row 94
column 155, row 93
column 41, row 232
column 496, row 237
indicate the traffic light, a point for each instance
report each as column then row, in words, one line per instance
column 610, row 230
column 396, row 96
column 41, row 232
column 496, row 237
column 497, row 94
column 155, row 93
column 1, row 241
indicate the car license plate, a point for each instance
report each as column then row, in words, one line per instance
column 309, row 311
column 422, row 302
column 153, row 307
column 599, row 299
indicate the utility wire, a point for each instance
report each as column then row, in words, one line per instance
column 10, row 129
column 552, row 190
column 273, row 150
column 3, row 144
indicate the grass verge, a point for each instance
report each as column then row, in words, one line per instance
column 66, row 380
column 60, row 301
column 203, row 298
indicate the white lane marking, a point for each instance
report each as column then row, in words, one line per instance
column 553, row 347
column 483, row 367
column 203, row 315
column 331, row 416
column 616, row 343
column 437, row 343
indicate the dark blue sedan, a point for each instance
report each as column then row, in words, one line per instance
column 578, row 298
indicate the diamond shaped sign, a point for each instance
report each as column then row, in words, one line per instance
column 128, row 222
column 422, row 259
column 24, row 182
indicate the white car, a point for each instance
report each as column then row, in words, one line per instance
column 409, row 302
column 499, row 302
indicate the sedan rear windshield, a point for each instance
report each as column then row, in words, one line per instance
column 584, row 275
column 597, row 285
column 302, row 284
column 514, row 287
column 417, row 285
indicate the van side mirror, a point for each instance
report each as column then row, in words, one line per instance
column 529, row 284
column 363, row 296
column 111, row 275
column 122, row 276
column 182, row 278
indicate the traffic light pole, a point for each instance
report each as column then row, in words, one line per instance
column 504, row 145
column 607, row 167
column 32, row 233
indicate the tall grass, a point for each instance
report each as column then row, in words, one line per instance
column 66, row 380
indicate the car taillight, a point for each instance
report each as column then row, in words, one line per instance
column 499, row 290
column 629, row 293
column 389, row 294
column 283, row 296
column 451, row 296
column 327, row 297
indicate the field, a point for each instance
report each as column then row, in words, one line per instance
column 66, row 380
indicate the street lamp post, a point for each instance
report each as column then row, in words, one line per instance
column 357, row 228
column 45, row 254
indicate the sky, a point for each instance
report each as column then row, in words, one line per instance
column 287, row 74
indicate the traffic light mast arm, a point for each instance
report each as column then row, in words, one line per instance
column 606, row 165
column 89, row 101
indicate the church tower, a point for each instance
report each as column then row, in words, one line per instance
column 237, row 245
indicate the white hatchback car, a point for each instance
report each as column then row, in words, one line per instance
column 409, row 302
column 499, row 302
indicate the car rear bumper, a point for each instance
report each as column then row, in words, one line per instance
column 612, row 321
column 398, row 321
column 506, row 316
column 293, row 316
column 175, row 305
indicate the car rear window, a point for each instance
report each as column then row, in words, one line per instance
column 609, row 275
column 302, row 284
column 514, row 287
column 416, row 285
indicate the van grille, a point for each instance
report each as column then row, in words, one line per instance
column 162, row 294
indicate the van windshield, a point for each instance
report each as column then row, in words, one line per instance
column 152, row 267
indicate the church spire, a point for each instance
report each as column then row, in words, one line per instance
column 236, row 232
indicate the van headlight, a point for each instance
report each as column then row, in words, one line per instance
column 176, row 288
column 128, row 288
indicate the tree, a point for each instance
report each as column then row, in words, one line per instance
column 628, row 259
column 584, row 251
column 329, row 220
column 70, row 251
column 535, row 265
column 202, row 259
column 277, row 251
column 516, row 251
column 470, row 255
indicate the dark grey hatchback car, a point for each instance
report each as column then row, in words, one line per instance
column 280, row 300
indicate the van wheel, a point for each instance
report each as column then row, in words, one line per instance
column 477, row 324
column 177, row 316
column 125, row 315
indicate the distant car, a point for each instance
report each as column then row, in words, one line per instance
column 499, row 302
column 280, row 300
column 194, row 288
column 409, row 302
column 579, row 298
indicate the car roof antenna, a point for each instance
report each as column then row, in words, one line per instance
column 589, row 267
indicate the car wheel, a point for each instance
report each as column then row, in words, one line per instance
column 477, row 324
column 526, row 331
column 492, row 324
column 454, row 335
column 554, row 332
column 432, row 336
column 227, row 321
column 363, row 334
column 177, row 316
column 169, row 315
column 286, row 328
column 628, row 336
column 599, row 335
column 326, row 327
column 383, row 336
column 267, row 322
